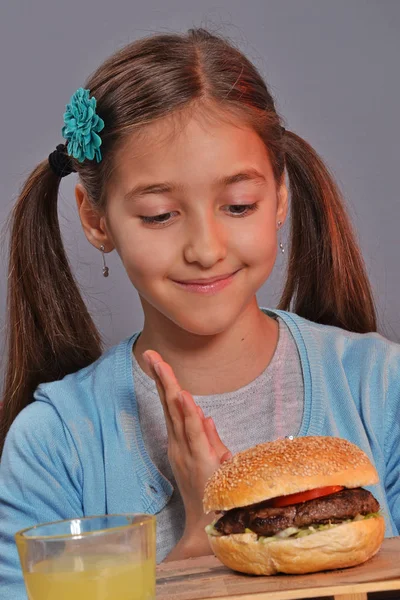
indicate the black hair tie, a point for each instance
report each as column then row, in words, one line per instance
column 60, row 162
column 283, row 130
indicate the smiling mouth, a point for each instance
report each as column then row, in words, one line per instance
column 206, row 281
column 208, row 286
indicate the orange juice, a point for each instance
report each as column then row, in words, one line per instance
column 95, row 577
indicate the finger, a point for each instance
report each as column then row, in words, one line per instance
column 172, row 391
column 200, row 412
column 196, row 436
column 214, row 438
column 225, row 457
column 151, row 357
column 168, row 388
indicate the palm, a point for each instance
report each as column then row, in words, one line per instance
column 195, row 450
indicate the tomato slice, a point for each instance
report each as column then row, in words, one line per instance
column 305, row 496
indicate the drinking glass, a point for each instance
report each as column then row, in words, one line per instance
column 109, row 557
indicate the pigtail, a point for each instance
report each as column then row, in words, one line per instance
column 326, row 280
column 49, row 332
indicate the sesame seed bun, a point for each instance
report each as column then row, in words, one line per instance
column 285, row 467
column 343, row 546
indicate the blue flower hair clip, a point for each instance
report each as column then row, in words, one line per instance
column 82, row 126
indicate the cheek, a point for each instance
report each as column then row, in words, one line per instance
column 258, row 248
column 145, row 256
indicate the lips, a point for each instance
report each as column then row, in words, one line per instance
column 206, row 281
column 209, row 286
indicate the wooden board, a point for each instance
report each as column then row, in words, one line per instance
column 206, row 578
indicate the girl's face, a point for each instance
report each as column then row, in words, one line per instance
column 192, row 204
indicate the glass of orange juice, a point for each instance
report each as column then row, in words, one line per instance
column 109, row 557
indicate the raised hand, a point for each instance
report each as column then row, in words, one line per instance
column 195, row 451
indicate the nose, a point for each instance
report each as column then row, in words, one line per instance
column 206, row 242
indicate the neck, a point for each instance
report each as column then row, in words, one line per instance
column 214, row 364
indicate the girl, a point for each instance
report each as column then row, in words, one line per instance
column 181, row 159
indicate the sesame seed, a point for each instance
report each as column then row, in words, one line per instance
column 299, row 457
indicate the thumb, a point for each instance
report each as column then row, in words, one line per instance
column 225, row 457
column 215, row 440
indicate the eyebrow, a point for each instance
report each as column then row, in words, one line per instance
column 165, row 187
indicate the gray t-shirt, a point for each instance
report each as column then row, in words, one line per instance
column 269, row 407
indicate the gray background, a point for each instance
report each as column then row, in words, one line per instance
column 333, row 66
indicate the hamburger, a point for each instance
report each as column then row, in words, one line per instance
column 294, row 506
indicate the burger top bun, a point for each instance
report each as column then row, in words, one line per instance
column 287, row 466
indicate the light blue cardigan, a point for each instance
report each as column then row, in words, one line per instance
column 78, row 449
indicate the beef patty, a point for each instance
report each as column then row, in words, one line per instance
column 265, row 520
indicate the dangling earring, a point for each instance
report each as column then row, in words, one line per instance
column 281, row 246
column 106, row 270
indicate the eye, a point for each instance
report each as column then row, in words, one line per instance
column 242, row 210
column 158, row 219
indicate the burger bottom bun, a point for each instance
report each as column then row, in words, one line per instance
column 343, row 546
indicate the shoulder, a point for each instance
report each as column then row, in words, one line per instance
column 36, row 423
column 85, row 390
column 38, row 439
column 368, row 359
column 340, row 342
column 366, row 364
column 72, row 409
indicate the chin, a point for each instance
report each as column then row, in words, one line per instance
column 210, row 318
column 199, row 315
column 204, row 323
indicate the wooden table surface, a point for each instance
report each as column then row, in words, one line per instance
column 206, row 578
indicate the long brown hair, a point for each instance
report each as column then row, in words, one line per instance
column 50, row 332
